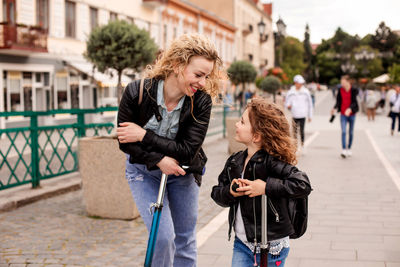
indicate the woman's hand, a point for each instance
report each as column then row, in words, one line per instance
column 129, row 132
column 170, row 166
column 237, row 194
column 252, row 188
column 347, row 112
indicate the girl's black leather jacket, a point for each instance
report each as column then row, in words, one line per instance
column 283, row 181
column 186, row 148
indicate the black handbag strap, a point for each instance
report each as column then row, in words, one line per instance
column 141, row 91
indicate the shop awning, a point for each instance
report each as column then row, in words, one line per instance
column 384, row 78
column 108, row 79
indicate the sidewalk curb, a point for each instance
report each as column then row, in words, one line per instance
column 14, row 198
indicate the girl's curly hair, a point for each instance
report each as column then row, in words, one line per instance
column 267, row 119
column 179, row 54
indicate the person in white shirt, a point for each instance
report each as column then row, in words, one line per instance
column 299, row 102
column 395, row 108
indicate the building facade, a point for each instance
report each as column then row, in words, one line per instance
column 178, row 17
column 246, row 15
column 42, row 42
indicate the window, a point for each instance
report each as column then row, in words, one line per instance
column 9, row 11
column 93, row 18
column 14, row 91
column 70, row 19
column 61, row 83
column 46, row 79
column 165, row 35
column 113, row 16
column 42, row 13
column 38, row 77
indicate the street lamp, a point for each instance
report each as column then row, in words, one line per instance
column 281, row 27
column 279, row 36
column 364, row 56
column 261, row 30
column 348, row 67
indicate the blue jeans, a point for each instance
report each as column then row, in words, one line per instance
column 344, row 120
column 176, row 238
column 244, row 257
column 394, row 115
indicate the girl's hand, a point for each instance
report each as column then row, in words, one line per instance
column 129, row 132
column 253, row 188
column 170, row 166
column 237, row 194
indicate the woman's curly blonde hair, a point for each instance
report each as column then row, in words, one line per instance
column 179, row 54
column 268, row 119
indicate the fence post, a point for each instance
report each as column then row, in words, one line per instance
column 81, row 124
column 35, row 151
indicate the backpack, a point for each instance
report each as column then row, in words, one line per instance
column 298, row 214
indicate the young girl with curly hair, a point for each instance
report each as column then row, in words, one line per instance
column 265, row 167
column 165, row 131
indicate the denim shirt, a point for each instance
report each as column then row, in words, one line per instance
column 169, row 125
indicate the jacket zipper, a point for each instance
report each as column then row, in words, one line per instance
column 273, row 210
column 254, row 213
column 234, row 209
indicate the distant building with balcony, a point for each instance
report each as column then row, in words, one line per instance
column 246, row 16
column 177, row 17
column 42, row 42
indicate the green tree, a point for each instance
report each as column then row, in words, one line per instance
column 331, row 53
column 119, row 45
column 242, row 72
column 374, row 66
column 386, row 42
column 271, row 84
column 328, row 66
column 293, row 55
column 308, row 54
column 394, row 72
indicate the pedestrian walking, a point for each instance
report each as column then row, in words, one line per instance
column 299, row 102
column 165, row 131
column 264, row 168
column 382, row 100
column 371, row 101
column 395, row 108
column 346, row 104
column 313, row 87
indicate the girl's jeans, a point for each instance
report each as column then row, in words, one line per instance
column 244, row 257
column 344, row 120
column 176, row 238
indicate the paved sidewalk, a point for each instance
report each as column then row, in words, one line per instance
column 355, row 206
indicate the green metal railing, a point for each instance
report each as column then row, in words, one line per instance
column 34, row 153
column 30, row 154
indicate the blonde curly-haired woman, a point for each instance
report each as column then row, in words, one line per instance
column 166, row 131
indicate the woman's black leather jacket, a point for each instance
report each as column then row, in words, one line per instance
column 283, row 181
column 185, row 148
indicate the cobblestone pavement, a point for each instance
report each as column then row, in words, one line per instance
column 58, row 232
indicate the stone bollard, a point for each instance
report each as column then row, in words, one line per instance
column 106, row 192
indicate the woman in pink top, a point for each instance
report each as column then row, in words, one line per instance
column 346, row 104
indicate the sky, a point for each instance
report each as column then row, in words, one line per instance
column 325, row 16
